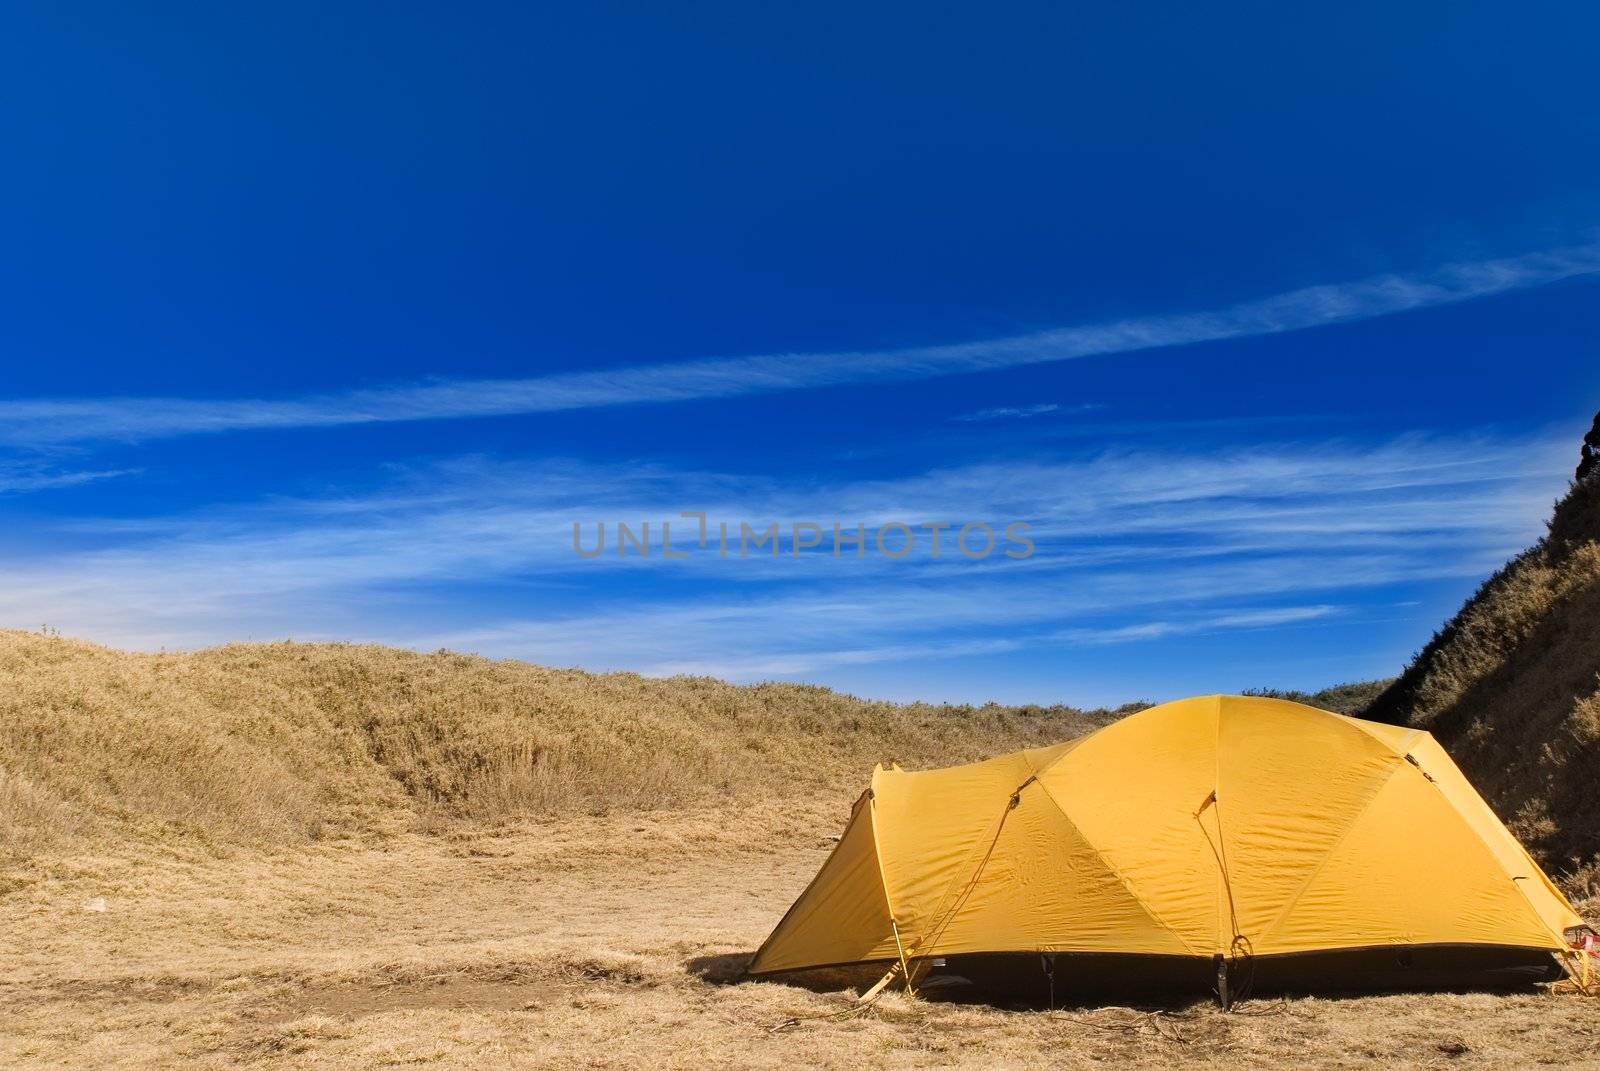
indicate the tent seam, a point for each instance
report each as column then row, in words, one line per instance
column 1117, row 873
column 877, row 855
column 940, row 918
column 1224, row 884
column 1353, row 723
column 787, row 915
column 1344, row 835
column 1477, row 838
column 1039, row 771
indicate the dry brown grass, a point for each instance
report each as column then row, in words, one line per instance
column 593, row 942
column 1511, row 686
column 350, row 857
column 288, row 743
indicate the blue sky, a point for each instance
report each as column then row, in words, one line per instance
column 1275, row 324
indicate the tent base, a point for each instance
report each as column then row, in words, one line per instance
column 1029, row 978
column 1095, row 978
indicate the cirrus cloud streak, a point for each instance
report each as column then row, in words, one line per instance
column 45, row 422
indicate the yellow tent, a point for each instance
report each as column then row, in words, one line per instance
column 1197, row 832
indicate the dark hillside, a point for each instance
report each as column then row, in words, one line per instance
column 1511, row 686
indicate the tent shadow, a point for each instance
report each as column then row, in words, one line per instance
column 719, row 970
column 729, row 969
column 1016, row 983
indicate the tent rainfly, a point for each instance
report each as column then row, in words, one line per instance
column 1184, row 839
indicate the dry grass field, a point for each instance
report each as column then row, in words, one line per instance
column 593, row 942
column 340, row 857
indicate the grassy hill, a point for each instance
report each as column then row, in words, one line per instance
column 1511, row 686
column 1352, row 698
column 289, row 742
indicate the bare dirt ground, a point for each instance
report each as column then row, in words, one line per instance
column 594, row 942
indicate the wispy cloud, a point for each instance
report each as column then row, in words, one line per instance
column 22, row 477
column 742, row 667
column 1134, row 547
column 1160, row 629
column 38, row 422
column 1022, row 412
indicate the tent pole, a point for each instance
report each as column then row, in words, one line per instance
column 871, row 994
column 904, row 966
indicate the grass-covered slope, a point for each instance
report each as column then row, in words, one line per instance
column 1511, row 686
column 289, row 742
column 1350, row 698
